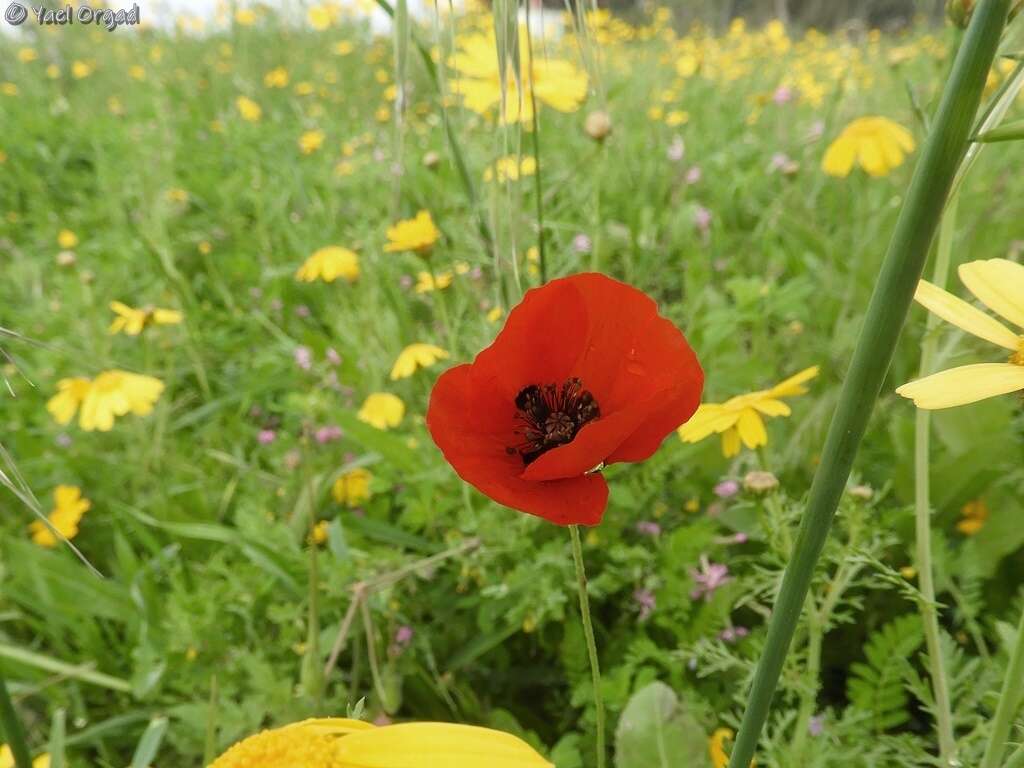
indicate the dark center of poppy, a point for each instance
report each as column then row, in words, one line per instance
column 548, row 416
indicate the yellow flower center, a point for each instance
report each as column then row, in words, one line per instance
column 1017, row 358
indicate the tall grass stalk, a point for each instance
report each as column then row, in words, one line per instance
column 904, row 261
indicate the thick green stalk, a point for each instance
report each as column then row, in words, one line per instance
column 922, row 508
column 10, row 728
column 1009, row 700
column 940, row 157
column 588, row 631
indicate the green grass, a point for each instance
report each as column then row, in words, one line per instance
column 200, row 532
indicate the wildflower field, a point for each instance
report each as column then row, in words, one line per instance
column 334, row 358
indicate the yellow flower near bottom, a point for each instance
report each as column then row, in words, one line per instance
column 353, row 487
column 416, row 356
column 876, row 144
column 739, row 419
column 69, row 507
column 716, row 748
column 7, row 759
column 343, row 743
column 382, row 410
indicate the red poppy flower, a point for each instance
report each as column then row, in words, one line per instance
column 584, row 373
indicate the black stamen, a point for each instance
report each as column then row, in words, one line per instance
column 550, row 416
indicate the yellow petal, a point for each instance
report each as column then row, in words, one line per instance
column 709, row 418
column 751, row 429
column 838, row 160
column 955, row 310
column 771, row 407
column 166, row 316
column 999, row 285
column 963, row 385
column 730, row 443
column 793, row 385
column 416, row 745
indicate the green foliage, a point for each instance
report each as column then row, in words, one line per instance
column 878, row 686
column 655, row 731
column 205, row 620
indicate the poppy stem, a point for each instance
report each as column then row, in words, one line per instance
column 10, row 728
column 937, row 165
column 588, row 632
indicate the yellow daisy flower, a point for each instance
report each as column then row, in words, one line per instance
column 67, row 239
column 328, row 264
column 876, row 144
column 132, row 321
column 416, row 356
column 245, row 17
column 276, row 78
column 511, row 168
column 69, row 507
column 97, row 402
column 975, row 514
column 7, row 759
column 417, row 234
column 353, row 487
column 26, row 55
column 339, row 742
column 425, row 282
column 716, row 747
column 319, row 533
column 558, row 83
column 81, row 69
column 382, row 410
column 739, row 419
column 311, row 141
column 248, row 109
column 999, row 285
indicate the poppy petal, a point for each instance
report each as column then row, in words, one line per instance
column 541, row 341
column 471, row 423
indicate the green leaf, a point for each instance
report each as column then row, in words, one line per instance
column 1009, row 132
column 654, row 732
column 878, row 687
column 149, row 744
column 82, row 672
column 391, row 447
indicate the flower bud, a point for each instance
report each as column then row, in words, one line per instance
column 959, row 12
column 598, row 125
column 760, row 482
column 431, row 160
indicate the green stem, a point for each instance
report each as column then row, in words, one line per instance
column 10, row 727
column 922, row 508
column 588, row 631
column 940, row 157
column 1009, row 700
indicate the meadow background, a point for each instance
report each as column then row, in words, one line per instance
column 258, row 551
